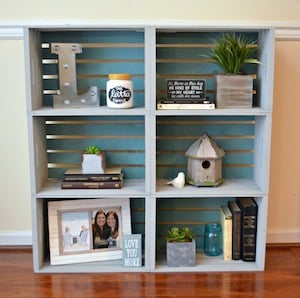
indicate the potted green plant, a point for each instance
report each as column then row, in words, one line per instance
column 231, row 52
column 93, row 160
column 181, row 247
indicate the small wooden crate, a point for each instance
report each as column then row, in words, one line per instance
column 234, row 91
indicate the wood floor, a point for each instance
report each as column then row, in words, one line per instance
column 281, row 279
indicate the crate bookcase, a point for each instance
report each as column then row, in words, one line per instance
column 149, row 144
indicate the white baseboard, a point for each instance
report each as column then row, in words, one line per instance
column 283, row 236
column 19, row 238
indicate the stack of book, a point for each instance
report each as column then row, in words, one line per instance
column 112, row 178
column 239, row 223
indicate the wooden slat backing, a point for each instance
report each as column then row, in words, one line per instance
column 122, row 139
column 103, row 52
column 183, row 55
column 187, row 212
column 235, row 135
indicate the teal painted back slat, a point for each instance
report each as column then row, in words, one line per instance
column 95, row 63
column 187, row 212
column 137, row 207
column 122, row 139
column 235, row 135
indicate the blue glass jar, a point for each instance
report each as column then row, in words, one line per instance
column 213, row 239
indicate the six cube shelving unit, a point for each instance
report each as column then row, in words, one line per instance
column 149, row 144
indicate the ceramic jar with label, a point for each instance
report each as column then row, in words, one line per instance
column 119, row 91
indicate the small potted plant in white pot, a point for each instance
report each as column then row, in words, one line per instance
column 231, row 52
column 181, row 247
column 93, row 160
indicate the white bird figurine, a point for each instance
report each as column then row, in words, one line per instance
column 179, row 181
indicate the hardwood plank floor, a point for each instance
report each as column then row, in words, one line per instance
column 281, row 279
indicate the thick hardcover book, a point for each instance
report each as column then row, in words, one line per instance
column 110, row 174
column 226, row 222
column 236, row 230
column 92, row 185
column 249, row 211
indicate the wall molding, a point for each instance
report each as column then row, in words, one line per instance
column 11, row 33
column 16, row 238
column 283, row 31
column 287, row 34
column 283, row 236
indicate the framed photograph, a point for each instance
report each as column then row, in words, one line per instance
column 87, row 230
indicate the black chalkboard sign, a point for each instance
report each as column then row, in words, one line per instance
column 186, row 90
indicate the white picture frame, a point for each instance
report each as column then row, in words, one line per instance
column 72, row 230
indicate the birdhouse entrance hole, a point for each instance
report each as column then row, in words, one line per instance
column 205, row 164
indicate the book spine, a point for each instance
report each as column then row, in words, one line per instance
column 236, row 230
column 248, row 231
column 91, row 178
column 185, row 106
column 226, row 222
column 91, row 185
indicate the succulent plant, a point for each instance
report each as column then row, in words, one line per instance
column 92, row 150
column 184, row 234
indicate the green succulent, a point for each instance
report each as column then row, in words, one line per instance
column 92, row 150
column 232, row 51
column 184, row 234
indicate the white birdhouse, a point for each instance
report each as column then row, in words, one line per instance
column 204, row 165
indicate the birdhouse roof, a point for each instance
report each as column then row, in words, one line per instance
column 206, row 148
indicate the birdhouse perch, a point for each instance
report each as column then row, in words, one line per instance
column 204, row 164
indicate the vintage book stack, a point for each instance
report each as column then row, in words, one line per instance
column 112, row 178
column 239, row 228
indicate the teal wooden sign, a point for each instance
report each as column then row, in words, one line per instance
column 132, row 250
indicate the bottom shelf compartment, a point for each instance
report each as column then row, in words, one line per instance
column 195, row 214
column 66, row 235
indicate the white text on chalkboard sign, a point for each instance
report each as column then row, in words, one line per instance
column 186, row 89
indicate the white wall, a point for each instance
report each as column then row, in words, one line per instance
column 15, row 218
column 284, row 207
column 116, row 10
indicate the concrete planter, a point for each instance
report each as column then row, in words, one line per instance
column 181, row 254
column 234, row 91
column 93, row 163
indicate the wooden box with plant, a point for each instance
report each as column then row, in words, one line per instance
column 181, row 247
column 93, row 160
column 231, row 52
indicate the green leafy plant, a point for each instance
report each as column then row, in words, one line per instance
column 92, row 150
column 184, row 234
column 232, row 51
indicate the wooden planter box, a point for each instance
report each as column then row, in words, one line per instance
column 181, row 254
column 234, row 91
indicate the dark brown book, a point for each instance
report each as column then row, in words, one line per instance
column 236, row 230
column 249, row 210
column 76, row 174
column 92, row 185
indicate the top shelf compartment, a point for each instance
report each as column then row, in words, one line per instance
column 103, row 52
column 182, row 55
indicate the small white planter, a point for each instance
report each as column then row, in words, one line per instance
column 181, row 254
column 93, row 163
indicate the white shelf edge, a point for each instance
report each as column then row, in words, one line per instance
column 132, row 188
column 95, row 267
column 229, row 188
column 210, row 264
column 215, row 112
column 96, row 111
